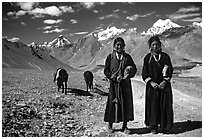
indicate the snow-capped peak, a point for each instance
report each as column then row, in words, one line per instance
column 160, row 26
column 110, row 32
column 60, row 41
column 165, row 24
column 32, row 44
column 197, row 24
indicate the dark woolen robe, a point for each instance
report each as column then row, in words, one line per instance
column 125, row 105
column 158, row 102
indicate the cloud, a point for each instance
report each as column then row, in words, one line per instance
column 188, row 9
column 109, row 16
column 50, row 21
column 73, row 21
column 115, row 11
column 11, row 13
column 190, row 14
column 20, row 13
column 118, row 10
column 14, row 39
column 23, row 23
column 16, row 14
column 39, row 12
column 80, row 33
column 196, row 19
column 133, row 17
column 56, row 30
column 183, row 16
column 27, row 5
column 148, row 14
column 90, row 5
column 4, row 37
column 47, row 27
column 53, row 11
column 66, row 9
column 95, row 11
column 136, row 16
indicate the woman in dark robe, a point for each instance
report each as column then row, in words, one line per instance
column 157, row 72
column 119, row 68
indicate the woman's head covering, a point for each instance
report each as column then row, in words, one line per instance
column 152, row 39
column 153, row 50
column 119, row 39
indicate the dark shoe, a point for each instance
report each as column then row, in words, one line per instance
column 166, row 131
column 110, row 128
column 154, row 131
column 126, row 130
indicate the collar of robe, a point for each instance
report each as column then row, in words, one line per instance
column 159, row 57
column 153, row 54
column 119, row 56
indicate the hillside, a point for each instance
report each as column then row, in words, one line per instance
column 81, row 53
column 18, row 55
column 183, row 44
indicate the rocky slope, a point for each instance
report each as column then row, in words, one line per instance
column 18, row 55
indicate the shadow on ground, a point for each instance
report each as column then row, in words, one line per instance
column 179, row 127
column 81, row 92
column 100, row 92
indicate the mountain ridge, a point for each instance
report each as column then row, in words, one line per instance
column 184, row 45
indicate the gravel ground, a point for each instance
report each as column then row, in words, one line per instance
column 32, row 107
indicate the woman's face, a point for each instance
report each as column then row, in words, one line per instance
column 155, row 47
column 119, row 46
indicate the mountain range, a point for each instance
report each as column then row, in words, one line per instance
column 182, row 43
column 19, row 55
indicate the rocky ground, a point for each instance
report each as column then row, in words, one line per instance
column 32, row 107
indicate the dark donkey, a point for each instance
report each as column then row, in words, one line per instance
column 88, row 77
column 61, row 76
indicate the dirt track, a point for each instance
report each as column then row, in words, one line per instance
column 79, row 113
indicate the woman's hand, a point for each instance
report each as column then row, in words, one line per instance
column 119, row 78
column 154, row 85
column 162, row 84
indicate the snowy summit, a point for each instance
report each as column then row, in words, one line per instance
column 110, row 32
column 160, row 26
column 60, row 41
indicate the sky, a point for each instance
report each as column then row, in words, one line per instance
column 41, row 22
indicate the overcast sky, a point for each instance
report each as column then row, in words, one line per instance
column 39, row 22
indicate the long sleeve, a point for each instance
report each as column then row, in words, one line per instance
column 107, row 71
column 134, row 68
column 145, row 70
column 169, row 71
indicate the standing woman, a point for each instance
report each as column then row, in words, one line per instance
column 156, row 73
column 119, row 68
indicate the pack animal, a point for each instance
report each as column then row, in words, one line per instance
column 61, row 76
column 88, row 77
